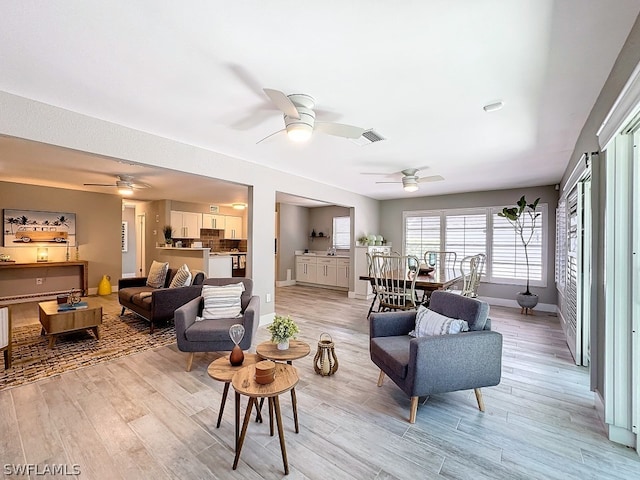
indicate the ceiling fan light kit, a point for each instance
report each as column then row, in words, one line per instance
column 410, row 183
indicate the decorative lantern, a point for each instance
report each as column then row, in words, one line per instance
column 325, row 362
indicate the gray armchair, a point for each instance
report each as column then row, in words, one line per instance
column 437, row 364
column 213, row 335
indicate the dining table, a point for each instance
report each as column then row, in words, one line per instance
column 437, row 279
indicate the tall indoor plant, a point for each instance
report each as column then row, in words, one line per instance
column 523, row 218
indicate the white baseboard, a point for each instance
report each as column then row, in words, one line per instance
column 285, row 283
column 503, row 302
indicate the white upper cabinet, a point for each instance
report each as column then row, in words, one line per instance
column 185, row 224
column 233, row 227
column 215, row 222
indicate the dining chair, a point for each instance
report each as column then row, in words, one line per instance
column 472, row 268
column 395, row 280
column 440, row 260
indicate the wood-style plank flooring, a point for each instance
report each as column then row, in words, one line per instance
column 144, row 416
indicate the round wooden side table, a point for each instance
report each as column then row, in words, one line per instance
column 297, row 349
column 244, row 383
column 222, row 370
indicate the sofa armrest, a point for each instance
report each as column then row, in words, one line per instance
column 132, row 282
column 391, row 324
column 185, row 316
column 164, row 301
column 251, row 316
column 446, row 363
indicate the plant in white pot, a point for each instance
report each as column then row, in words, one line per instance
column 523, row 218
column 282, row 329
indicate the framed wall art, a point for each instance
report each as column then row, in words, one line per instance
column 29, row 227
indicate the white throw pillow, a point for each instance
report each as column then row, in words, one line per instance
column 223, row 301
column 157, row 274
column 182, row 278
column 429, row 323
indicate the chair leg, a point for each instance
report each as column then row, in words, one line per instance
column 190, row 361
column 380, row 378
column 413, row 410
column 122, row 312
column 479, row 399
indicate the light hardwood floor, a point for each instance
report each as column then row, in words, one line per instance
column 144, row 416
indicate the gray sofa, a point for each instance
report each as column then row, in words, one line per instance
column 213, row 335
column 159, row 307
column 437, row 364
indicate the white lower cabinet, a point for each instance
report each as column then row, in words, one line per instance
column 343, row 272
column 306, row 269
column 326, row 271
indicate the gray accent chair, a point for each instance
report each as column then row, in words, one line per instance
column 437, row 364
column 213, row 335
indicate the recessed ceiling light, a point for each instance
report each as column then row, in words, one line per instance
column 239, row 206
column 493, row 107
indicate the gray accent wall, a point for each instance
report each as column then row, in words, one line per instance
column 391, row 228
column 293, row 235
column 321, row 219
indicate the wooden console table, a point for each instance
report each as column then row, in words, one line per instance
column 19, row 280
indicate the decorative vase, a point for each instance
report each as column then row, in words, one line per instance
column 325, row 362
column 283, row 345
column 104, row 287
column 237, row 356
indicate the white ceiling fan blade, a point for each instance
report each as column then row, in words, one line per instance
column 388, row 182
column 432, row 178
column 283, row 102
column 99, row 184
column 340, row 129
column 269, row 136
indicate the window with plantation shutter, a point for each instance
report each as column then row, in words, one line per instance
column 508, row 260
column 342, row 233
column 422, row 233
column 480, row 230
column 466, row 234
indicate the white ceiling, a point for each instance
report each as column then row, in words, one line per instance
column 418, row 72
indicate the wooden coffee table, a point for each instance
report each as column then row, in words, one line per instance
column 244, row 383
column 55, row 323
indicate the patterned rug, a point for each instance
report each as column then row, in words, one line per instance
column 119, row 336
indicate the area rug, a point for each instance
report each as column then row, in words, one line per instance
column 119, row 336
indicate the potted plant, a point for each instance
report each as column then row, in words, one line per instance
column 363, row 240
column 167, row 230
column 282, row 329
column 523, row 218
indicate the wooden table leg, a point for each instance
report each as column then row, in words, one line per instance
column 294, row 402
column 271, row 418
column 222, row 404
column 245, row 424
column 52, row 341
column 96, row 332
column 283, row 448
column 237, row 398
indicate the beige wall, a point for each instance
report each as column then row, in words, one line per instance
column 98, row 221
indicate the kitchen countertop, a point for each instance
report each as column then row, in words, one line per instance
column 321, row 255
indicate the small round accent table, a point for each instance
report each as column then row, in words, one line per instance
column 222, row 370
column 297, row 349
column 244, row 383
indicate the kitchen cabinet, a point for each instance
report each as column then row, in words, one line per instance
column 306, row 269
column 326, row 271
column 185, row 224
column 233, row 227
column 343, row 271
column 215, row 222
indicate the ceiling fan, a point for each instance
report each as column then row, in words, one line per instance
column 300, row 118
column 409, row 178
column 124, row 184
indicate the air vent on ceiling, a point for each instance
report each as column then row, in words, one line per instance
column 368, row 137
